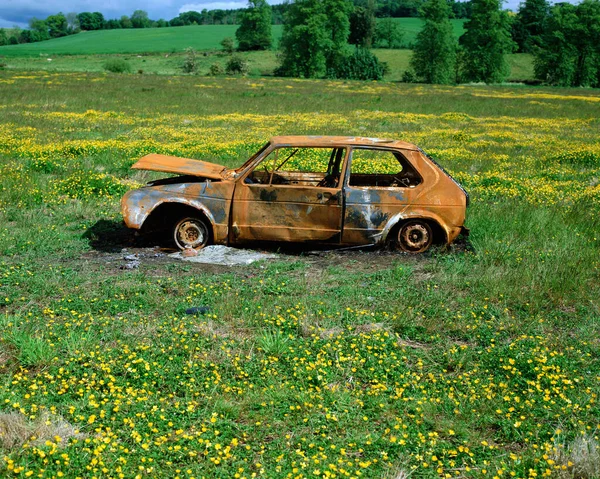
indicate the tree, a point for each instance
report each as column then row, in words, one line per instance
column 434, row 53
column 254, row 32
column 569, row 53
column 91, row 21
column 588, row 44
column 72, row 23
column 190, row 18
column 140, row 19
column 57, row 25
column 528, row 25
column 26, row 37
column 460, row 9
column 38, row 30
column 125, row 22
column 362, row 25
column 315, row 34
column 112, row 24
column 485, row 42
column 388, row 33
column 3, row 37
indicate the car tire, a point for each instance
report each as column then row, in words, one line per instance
column 414, row 237
column 191, row 232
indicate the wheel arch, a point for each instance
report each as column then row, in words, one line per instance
column 440, row 234
column 168, row 211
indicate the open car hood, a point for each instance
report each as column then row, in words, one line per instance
column 184, row 166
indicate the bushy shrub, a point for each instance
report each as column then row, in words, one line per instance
column 117, row 65
column 216, row 69
column 190, row 65
column 409, row 76
column 362, row 64
column 236, row 65
column 228, row 45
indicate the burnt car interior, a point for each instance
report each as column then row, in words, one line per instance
column 316, row 167
column 381, row 168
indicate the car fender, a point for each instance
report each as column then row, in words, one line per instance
column 413, row 214
column 138, row 205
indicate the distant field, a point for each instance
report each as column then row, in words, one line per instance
column 261, row 63
column 172, row 39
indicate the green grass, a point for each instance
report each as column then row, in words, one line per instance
column 171, row 39
column 451, row 363
column 261, row 63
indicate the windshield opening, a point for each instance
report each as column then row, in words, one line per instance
column 251, row 159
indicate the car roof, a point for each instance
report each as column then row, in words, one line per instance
column 314, row 140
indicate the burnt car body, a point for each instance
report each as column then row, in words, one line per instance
column 322, row 189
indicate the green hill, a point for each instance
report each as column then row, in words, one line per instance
column 200, row 37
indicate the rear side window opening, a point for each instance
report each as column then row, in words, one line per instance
column 381, row 168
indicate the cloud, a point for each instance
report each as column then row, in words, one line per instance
column 21, row 11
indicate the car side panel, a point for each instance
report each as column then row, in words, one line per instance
column 370, row 212
column 286, row 213
column 211, row 198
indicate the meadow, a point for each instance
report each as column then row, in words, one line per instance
column 468, row 362
column 260, row 63
column 164, row 40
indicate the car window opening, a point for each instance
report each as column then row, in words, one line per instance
column 306, row 167
column 382, row 168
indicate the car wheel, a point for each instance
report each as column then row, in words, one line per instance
column 415, row 237
column 191, row 232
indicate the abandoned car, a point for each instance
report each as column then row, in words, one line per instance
column 321, row 189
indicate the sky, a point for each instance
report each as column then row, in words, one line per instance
column 18, row 12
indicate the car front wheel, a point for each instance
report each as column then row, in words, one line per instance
column 415, row 237
column 191, row 232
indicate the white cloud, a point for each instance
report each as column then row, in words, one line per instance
column 20, row 11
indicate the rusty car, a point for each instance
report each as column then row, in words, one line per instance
column 335, row 190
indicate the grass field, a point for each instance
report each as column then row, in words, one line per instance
column 260, row 63
column 172, row 39
column 460, row 363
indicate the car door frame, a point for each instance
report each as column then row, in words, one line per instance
column 369, row 209
column 243, row 230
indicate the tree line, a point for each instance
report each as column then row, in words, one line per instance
column 333, row 38
column 564, row 40
column 60, row 24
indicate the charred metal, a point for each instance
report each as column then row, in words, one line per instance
column 329, row 189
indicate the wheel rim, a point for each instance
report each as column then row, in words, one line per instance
column 415, row 237
column 191, row 233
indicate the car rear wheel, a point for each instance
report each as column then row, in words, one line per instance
column 191, row 232
column 415, row 237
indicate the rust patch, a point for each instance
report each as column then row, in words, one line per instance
column 266, row 199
